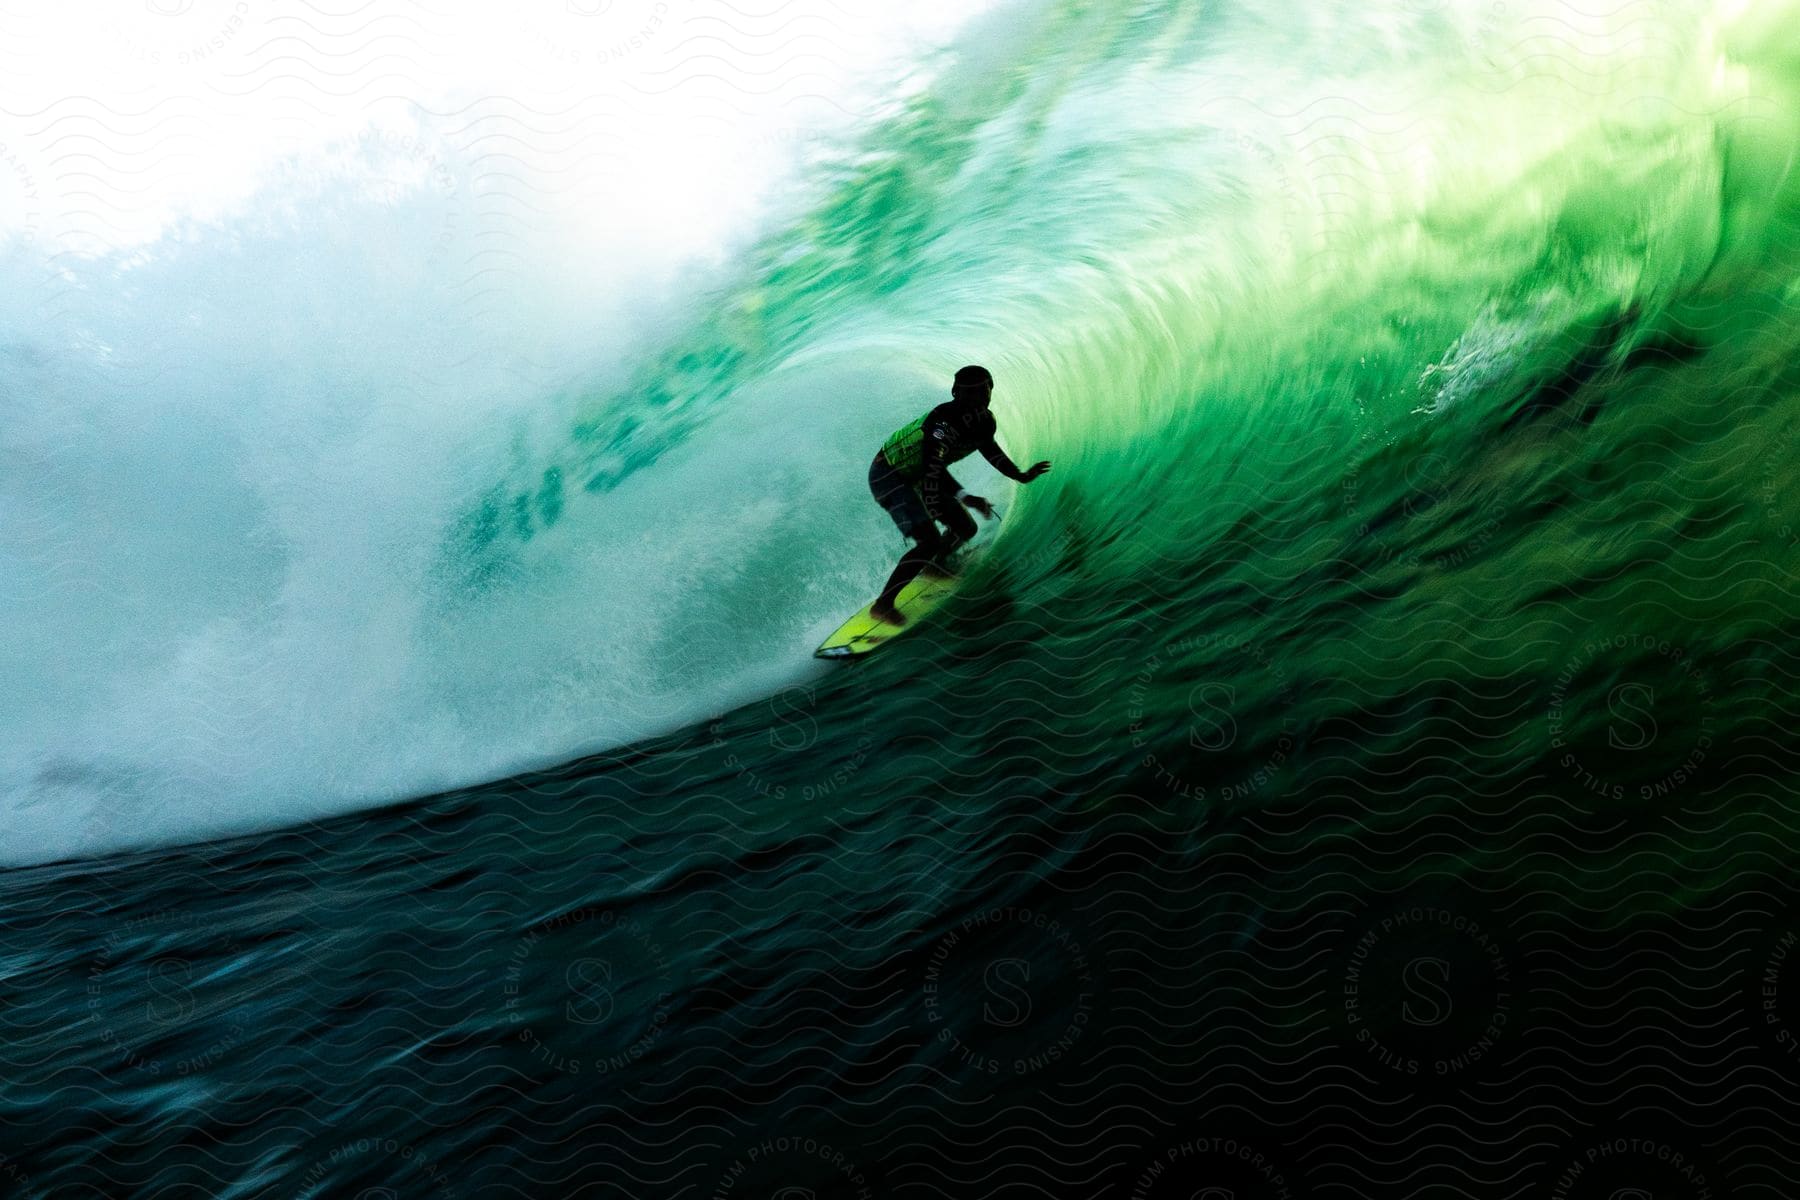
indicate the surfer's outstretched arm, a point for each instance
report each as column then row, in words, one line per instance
column 991, row 451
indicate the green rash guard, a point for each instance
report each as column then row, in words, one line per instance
column 948, row 433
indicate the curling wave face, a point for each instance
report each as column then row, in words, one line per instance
column 1339, row 323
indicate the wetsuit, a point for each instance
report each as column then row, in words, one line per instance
column 911, row 479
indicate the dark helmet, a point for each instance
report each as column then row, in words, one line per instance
column 971, row 382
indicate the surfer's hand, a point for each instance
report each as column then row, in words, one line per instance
column 979, row 505
column 1036, row 469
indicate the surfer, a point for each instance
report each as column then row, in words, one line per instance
column 911, row 479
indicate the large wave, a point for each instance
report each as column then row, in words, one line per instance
column 367, row 486
column 274, row 308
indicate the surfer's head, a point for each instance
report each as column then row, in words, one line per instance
column 973, row 385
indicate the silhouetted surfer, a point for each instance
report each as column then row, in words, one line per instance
column 911, row 478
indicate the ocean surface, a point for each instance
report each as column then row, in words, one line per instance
column 1365, row 766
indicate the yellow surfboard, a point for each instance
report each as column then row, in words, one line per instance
column 863, row 632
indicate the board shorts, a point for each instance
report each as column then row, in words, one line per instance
column 901, row 500
column 913, row 513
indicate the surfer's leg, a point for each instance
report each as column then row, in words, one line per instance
column 915, row 560
column 957, row 522
column 902, row 502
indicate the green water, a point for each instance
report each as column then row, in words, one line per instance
column 1372, row 744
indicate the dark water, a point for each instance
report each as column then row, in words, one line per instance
column 1366, row 765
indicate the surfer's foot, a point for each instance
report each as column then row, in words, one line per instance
column 886, row 612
